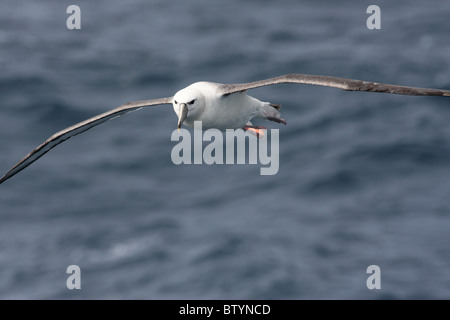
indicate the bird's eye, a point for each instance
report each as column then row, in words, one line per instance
column 191, row 102
column 176, row 102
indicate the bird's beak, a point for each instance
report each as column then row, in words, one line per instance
column 183, row 114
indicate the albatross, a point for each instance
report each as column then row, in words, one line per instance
column 221, row 106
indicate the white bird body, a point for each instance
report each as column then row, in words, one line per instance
column 215, row 110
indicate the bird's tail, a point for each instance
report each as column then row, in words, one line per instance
column 276, row 106
column 270, row 112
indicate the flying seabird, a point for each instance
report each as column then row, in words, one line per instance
column 221, row 106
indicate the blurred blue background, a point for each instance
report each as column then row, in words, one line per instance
column 363, row 179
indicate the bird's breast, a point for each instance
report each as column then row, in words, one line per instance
column 230, row 112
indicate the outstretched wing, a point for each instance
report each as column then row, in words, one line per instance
column 335, row 82
column 78, row 128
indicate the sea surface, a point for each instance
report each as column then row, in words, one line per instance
column 364, row 178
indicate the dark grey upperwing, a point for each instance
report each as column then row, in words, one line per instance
column 335, row 82
column 78, row 128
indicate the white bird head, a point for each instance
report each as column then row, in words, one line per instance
column 188, row 104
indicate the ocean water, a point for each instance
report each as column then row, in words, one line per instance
column 364, row 178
